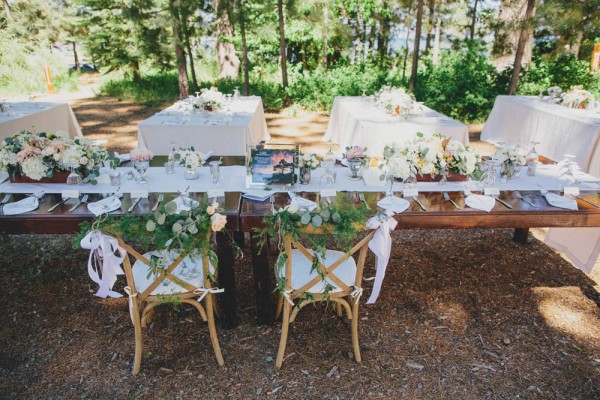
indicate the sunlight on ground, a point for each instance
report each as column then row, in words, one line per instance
column 564, row 310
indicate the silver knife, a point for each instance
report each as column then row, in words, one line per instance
column 58, row 204
column 587, row 201
column 447, row 197
column 84, row 199
column 161, row 197
column 505, row 204
column 135, row 203
column 419, row 203
column 361, row 196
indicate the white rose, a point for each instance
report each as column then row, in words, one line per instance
column 210, row 210
column 218, row 222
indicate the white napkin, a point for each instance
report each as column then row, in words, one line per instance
column 561, row 201
column 22, row 206
column 122, row 157
column 372, row 177
column 302, row 203
column 258, row 195
column 185, row 205
column 105, row 206
column 381, row 246
column 480, row 202
column 394, row 204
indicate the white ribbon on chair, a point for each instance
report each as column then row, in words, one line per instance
column 288, row 298
column 356, row 294
column 104, row 264
column 381, row 246
column 205, row 291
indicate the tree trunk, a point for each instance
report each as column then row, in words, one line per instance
column 7, row 10
column 135, row 70
column 182, row 76
column 473, row 20
column 76, row 57
column 431, row 7
column 512, row 89
column 188, row 48
column 282, row 46
column 384, row 38
column 244, row 48
column 415, row 58
column 228, row 62
column 436, row 41
column 577, row 44
column 407, row 24
column 325, row 33
column 510, row 16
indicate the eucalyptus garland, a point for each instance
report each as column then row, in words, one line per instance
column 341, row 221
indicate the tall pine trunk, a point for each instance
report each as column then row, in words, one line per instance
column 76, row 57
column 325, row 33
column 228, row 61
column 407, row 24
column 415, row 58
column 511, row 15
column 7, row 10
column 436, row 41
column 244, row 48
column 182, row 76
column 282, row 46
column 473, row 20
column 514, row 80
column 431, row 7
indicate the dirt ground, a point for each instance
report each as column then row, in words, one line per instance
column 463, row 314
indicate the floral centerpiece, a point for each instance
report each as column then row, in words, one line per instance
column 192, row 160
column 141, row 161
column 431, row 159
column 209, row 99
column 306, row 163
column 356, row 157
column 42, row 157
column 395, row 101
column 510, row 158
column 578, row 98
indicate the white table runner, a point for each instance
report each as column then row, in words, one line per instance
column 560, row 130
column 226, row 134
column 38, row 117
column 357, row 122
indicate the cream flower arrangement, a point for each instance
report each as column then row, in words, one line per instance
column 308, row 160
column 190, row 158
column 210, row 99
column 395, row 101
column 510, row 155
column 578, row 98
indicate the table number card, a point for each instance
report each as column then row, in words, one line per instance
column 571, row 191
column 410, row 192
column 328, row 193
column 491, row 191
column 70, row 194
column 139, row 194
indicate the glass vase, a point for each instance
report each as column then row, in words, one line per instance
column 191, row 173
column 304, row 175
column 141, row 167
column 355, row 167
column 507, row 170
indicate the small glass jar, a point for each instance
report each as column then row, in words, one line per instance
column 170, row 167
column 115, row 178
column 191, row 173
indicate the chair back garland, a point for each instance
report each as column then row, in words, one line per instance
column 188, row 232
column 341, row 221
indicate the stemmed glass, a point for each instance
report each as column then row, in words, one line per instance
column 236, row 93
column 74, row 178
column 567, row 170
column 532, row 159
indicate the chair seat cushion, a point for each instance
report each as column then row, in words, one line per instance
column 188, row 270
column 301, row 271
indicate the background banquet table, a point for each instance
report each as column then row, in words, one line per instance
column 560, row 130
column 357, row 122
column 223, row 133
column 38, row 117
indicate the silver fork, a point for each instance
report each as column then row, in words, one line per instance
column 416, row 200
column 161, row 197
column 361, row 196
column 519, row 196
column 83, row 200
column 447, row 197
column 272, row 200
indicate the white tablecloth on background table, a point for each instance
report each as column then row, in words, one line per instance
column 357, row 122
column 560, row 130
column 226, row 134
column 38, row 117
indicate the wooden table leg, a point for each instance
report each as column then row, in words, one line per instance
column 263, row 287
column 226, row 276
column 521, row 235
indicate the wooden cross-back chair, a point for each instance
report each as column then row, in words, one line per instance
column 344, row 275
column 184, row 280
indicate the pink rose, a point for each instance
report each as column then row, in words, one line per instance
column 218, row 222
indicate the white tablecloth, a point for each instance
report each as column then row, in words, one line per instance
column 560, row 130
column 356, row 122
column 224, row 133
column 38, row 117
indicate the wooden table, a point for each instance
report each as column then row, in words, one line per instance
column 440, row 214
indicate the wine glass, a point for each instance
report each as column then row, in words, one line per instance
column 74, row 178
column 532, row 159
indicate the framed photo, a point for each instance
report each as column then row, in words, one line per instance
column 271, row 165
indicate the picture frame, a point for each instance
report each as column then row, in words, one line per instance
column 271, row 165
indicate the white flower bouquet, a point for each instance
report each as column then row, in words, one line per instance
column 308, row 160
column 578, row 98
column 395, row 101
column 209, row 99
column 191, row 158
column 510, row 155
column 37, row 156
